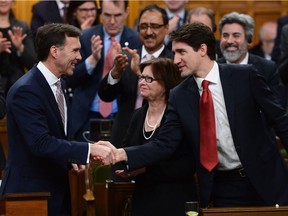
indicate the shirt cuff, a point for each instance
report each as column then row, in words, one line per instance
column 111, row 80
column 89, row 67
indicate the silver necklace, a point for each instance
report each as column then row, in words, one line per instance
column 152, row 126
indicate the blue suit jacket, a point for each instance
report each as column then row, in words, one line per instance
column 86, row 86
column 245, row 94
column 39, row 155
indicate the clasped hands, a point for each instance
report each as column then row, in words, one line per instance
column 106, row 153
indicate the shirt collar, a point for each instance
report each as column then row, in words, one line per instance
column 107, row 36
column 181, row 14
column 212, row 76
column 155, row 54
column 49, row 76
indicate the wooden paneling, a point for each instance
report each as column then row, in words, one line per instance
column 261, row 11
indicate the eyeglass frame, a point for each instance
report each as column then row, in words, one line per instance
column 87, row 10
column 148, row 79
column 152, row 26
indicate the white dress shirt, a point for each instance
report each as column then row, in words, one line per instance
column 227, row 155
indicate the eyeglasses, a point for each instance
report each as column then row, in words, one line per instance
column 152, row 26
column 107, row 16
column 87, row 10
column 147, row 79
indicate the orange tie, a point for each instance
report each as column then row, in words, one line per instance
column 105, row 108
column 208, row 145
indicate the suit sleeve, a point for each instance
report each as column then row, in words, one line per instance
column 283, row 62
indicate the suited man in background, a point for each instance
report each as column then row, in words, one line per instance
column 40, row 156
column 52, row 11
column 177, row 15
column 249, row 169
column 236, row 34
column 122, row 81
column 95, row 43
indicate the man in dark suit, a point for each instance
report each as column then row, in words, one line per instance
column 250, row 169
column 177, row 15
column 47, row 12
column 122, row 81
column 283, row 61
column 282, row 21
column 95, row 43
column 39, row 154
column 236, row 32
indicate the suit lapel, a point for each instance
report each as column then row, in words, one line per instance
column 229, row 93
column 49, row 95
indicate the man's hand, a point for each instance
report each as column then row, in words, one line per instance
column 96, row 47
column 173, row 22
column 119, row 154
column 135, row 60
column 78, row 168
column 102, row 153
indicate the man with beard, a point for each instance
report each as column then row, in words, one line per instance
column 236, row 34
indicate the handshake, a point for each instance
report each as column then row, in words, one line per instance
column 106, row 153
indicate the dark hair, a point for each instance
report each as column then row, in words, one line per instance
column 196, row 34
column 203, row 11
column 154, row 7
column 53, row 34
column 73, row 6
column 116, row 2
column 165, row 70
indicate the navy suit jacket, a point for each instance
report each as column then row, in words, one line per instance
column 86, row 86
column 245, row 94
column 268, row 69
column 44, row 12
column 282, row 21
column 283, row 62
column 39, row 155
column 126, row 93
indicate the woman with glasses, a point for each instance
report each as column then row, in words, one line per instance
column 83, row 14
column 164, row 187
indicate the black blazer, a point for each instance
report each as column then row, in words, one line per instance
column 126, row 93
column 245, row 95
column 268, row 69
column 282, row 21
column 167, row 181
column 283, row 62
column 44, row 12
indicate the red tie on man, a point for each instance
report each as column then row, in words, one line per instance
column 105, row 108
column 208, row 145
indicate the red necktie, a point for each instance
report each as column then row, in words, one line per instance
column 105, row 108
column 208, row 145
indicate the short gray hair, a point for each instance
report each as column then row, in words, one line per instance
column 246, row 21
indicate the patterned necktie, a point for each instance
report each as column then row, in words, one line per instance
column 105, row 108
column 208, row 145
column 60, row 100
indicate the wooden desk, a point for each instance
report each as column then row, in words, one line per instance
column 113, row 198
column 24, row 204
column 246, row 211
